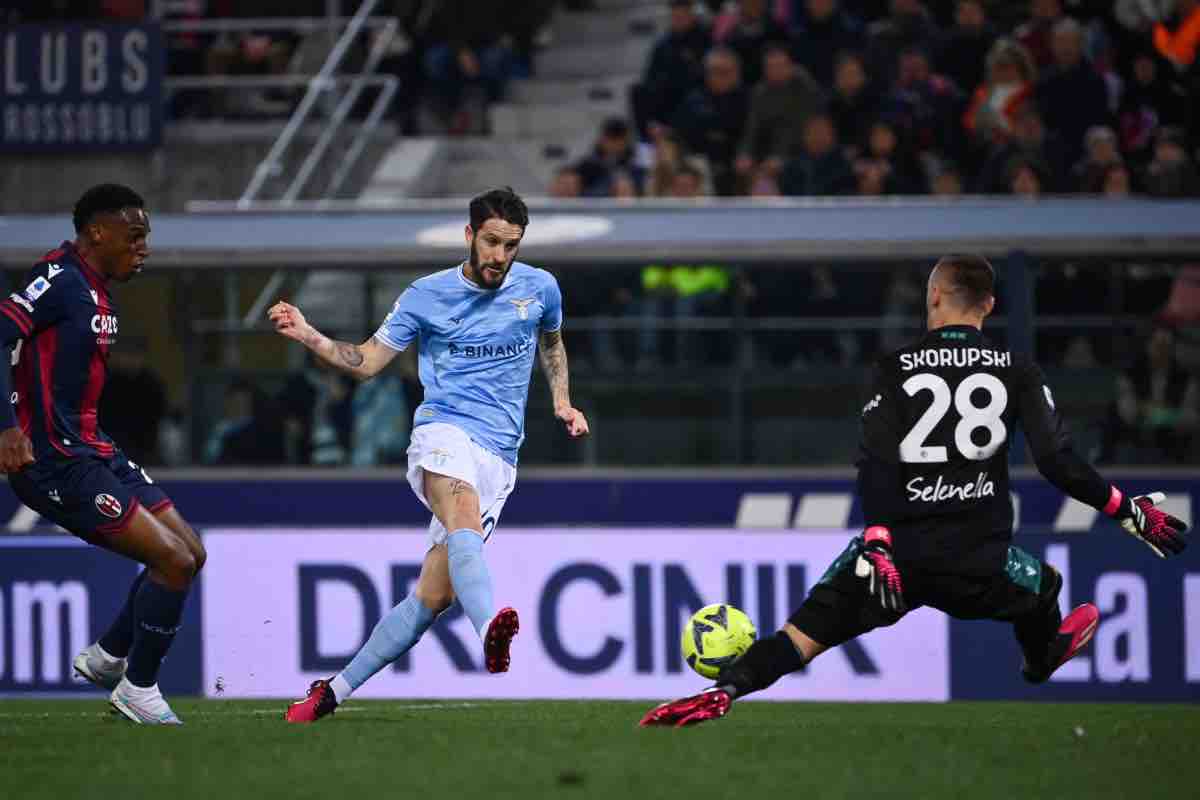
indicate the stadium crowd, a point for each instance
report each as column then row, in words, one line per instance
column 863, row 97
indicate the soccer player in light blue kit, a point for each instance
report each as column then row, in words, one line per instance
column 478, row 325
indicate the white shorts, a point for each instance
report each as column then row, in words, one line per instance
column 447, row 450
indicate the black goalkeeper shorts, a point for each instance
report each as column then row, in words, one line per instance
column 840, row 607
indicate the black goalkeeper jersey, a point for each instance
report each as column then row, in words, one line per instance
column 933, row 463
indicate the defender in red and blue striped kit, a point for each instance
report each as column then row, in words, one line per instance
column 61, row 325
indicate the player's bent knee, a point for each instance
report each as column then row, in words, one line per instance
column 177, row 566
column 199, row 554
column 1050, row 587
column 435, row 601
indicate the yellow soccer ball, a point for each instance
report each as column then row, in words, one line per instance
column 716, row 635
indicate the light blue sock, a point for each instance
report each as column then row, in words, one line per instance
column 395, row 634
column 469, row 577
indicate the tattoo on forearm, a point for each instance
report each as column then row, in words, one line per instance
column 554, row 364
column 349, row 354
column 459, row 487
column 339, row 355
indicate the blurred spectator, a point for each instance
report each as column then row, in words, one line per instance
column 1064, row 289
column 317, row 415
column 925, row 106
column 886, row 166
column 1037, row 34
column 665, row 291
column 253, row 53
column 1072, row 95
column 670, row 161
column 615, row 153
column 824, row 29
column 1031, row 141
column 855, row 102
column 467, row 50
column 779, row 107
column 688, row 183
column 187, row 54
column 173, row 445
column 747, row 29
column 1171, row 172
column 246, row 433
column 1025, row 177
column 680, row 291
column 528, row 21
column 623, row 187
column 1182, row 310
column 711, row 119
column 1155, row 415
column 381, row 422
column 1088, row 175
column 1151, row 99
column 907, row 26
column 1179, row 37
column 675, row 67
column 947, row 182
column 958, row 51
column 1116, row 181
column 991, row 117
column 567, row 183
column 668, row 158
column 820, row 169
column 134, row 402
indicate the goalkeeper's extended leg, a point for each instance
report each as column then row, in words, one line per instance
column 1047, row 639
column 765, row 662
column 839, row 608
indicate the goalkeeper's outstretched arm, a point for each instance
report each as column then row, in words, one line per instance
column 1058, row 462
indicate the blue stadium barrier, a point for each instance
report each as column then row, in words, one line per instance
column 604, row 570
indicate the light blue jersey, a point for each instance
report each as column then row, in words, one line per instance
column 476, row 349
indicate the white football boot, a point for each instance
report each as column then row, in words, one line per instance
column 98, row 667
column 143, row 706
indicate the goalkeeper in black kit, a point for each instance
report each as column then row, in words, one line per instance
column 933, row 477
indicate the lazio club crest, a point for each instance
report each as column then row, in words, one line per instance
column 523, row 306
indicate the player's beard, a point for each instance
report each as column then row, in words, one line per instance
column 485, row 277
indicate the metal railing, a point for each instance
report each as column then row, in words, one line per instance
column 316, row 86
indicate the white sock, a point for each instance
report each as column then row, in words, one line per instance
column 107, row 656
column 138, row 691
column 341, row 688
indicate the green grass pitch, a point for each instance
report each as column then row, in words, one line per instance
column 463, row 750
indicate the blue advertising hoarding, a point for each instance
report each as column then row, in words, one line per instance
column 300, row 570
column 57, row 595
column 93, row 87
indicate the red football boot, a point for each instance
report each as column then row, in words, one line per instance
column 500, row 633
column 320, row 701
column 1074, row 633
column 710, row 704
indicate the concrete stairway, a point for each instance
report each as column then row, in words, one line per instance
column 583, row 77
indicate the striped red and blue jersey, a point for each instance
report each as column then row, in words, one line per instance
column 62, row 323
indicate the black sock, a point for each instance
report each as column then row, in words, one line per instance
column 119, row 638
column 1037, row 630
column 157, row 611
column 765, row 662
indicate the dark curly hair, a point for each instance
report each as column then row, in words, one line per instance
column 105, row 198
column 503, row 204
